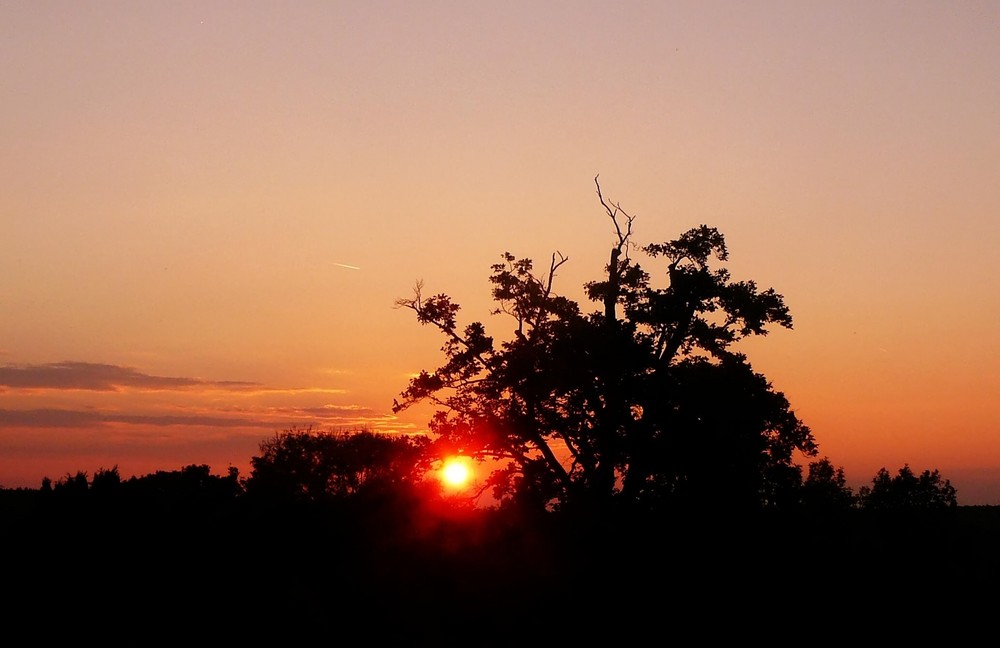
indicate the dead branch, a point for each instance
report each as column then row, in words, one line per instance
column 613, row 211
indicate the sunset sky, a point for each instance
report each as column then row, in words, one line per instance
column 209, row 208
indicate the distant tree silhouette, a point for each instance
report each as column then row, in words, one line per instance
column 908, row 491
column 643, row 401
column 311, row 466
column 76, row 486
column 106, row 480
column 825, row 487
column 192, row 486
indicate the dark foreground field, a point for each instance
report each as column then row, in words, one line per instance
column 340, row 577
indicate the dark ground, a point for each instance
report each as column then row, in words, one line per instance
column 237, row 576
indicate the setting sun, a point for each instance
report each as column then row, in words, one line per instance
column 456, row 472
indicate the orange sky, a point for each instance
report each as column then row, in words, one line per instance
column 209, row 208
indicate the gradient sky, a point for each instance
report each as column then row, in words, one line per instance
column 209, row 208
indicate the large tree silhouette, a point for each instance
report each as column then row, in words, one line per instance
column 643, row 401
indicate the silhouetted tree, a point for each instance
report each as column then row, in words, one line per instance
column 825, row 487
column 192, row 485
column 908, row 491
column 308, row 465
column 643, row 401
column 106, row 481
column 75, row 486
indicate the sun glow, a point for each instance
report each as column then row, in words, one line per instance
column 456, row 472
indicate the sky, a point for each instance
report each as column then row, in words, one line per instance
column 210, row 208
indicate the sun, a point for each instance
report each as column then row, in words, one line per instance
column 456, row 472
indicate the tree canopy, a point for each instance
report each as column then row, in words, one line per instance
column 644, row 400
column 907, row 491
column 309, row 466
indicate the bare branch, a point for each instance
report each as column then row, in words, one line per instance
column 615, row 264
column 613, row 211
column 413, row 303
column 553, row 266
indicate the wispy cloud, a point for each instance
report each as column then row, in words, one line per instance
column 334, row 371
column 49, row 418
column 173, row 419
column 292, row 390
column 270, row 417
column 115, row 396
column 103, row 377
column 327, row 410
column 64, row 418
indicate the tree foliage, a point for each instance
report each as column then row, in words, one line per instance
column 645, row 400
column 312, row 466
column 825, row 488
column 908, row 491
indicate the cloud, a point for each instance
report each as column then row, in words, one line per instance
column 271, row 417
column 174, row 419
column 102, row 377
column 327, row 410
column 251, row 391
column 62, row 418
column 333, row 371
column 192, row 410
column 49, row 418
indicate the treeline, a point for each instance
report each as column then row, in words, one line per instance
column 351, row 535
column 302, row 466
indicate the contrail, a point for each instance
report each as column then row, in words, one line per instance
column 344, row 265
